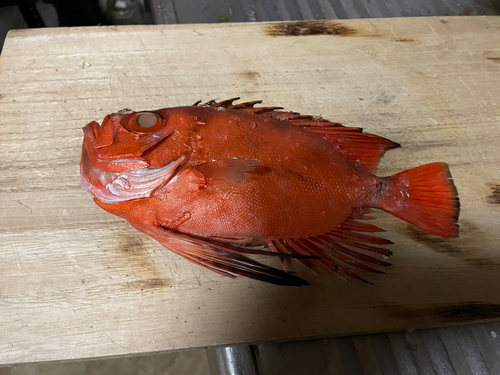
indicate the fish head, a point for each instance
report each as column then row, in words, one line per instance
column 115, row 165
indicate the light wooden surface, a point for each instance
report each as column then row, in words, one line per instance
column 77, row 282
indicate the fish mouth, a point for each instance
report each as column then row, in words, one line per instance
column 111, row 175
column 111, row 187
column 104, row 145
column 102, row 137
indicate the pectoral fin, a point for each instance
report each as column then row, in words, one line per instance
column 236, row 169
column 223, row 259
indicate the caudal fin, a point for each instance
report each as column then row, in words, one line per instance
column 426, row 197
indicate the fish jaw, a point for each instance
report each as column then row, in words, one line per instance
column 97, row 142
column 110, row 187
column 112, row 174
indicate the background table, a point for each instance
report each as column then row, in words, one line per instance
column 77, row 282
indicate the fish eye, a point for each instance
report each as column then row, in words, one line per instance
column 145, row 122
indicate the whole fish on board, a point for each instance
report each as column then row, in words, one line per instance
column 212, row 181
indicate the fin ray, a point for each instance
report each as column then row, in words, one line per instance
column 224, row 260
column 424, row 196
column 340, row 249
column 364, row 150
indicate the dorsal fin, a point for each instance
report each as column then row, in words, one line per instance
column 364, row 150
column 245, row 106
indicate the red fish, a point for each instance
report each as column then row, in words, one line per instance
column 211, row 182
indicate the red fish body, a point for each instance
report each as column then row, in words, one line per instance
column 207, row 180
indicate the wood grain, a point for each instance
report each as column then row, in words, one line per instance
column 76, row 282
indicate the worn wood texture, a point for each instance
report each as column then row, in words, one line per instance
column 77, row 282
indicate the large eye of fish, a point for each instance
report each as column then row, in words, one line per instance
column 145, row 122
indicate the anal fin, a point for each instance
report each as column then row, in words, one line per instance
column 340, row 250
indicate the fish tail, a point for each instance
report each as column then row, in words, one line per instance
column 426, row 197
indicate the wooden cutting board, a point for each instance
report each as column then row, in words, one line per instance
column 77, row 282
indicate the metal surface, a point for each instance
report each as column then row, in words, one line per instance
column 212, row 11
column 465, row 350
column 232, row 360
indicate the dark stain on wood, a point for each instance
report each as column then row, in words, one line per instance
column 251, row 75
column 494, row 59
column 406, row 40
column 444, row 22
column 131, row 245
column 464, row 248
column 471, row 310
column 305, row 28
column 494, row 196
column 430, row 144
column 301, row 28
column 143, row 269
column 149, row 283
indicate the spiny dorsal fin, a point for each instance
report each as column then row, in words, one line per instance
column 364, row 150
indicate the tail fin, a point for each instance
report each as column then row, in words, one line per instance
column 426, row 197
